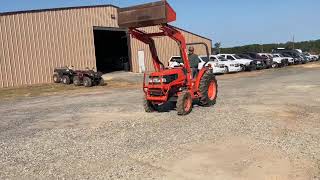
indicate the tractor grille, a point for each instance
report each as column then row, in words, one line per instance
column 156, row 92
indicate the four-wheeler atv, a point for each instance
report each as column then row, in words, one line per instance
column 88, row 78
column 64, row 75
column 168, row 84
column 67, row 75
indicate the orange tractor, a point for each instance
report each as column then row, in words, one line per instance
column 168, row 84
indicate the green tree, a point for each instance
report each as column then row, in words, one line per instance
column 217, row 47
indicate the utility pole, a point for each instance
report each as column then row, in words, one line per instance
column 293, row 42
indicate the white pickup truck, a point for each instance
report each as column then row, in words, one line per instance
column 281, row 61
column 230, row 65
column 176, row 61
column 246, row 64
column 290, row 59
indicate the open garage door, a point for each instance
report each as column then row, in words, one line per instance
column 111, row 48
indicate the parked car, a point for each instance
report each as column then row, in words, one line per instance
column 231, row 66
column 266, row 60
column 311, row 56
column 246, row 64
column 259, row 62
column 176, row 61
column 290, row 59
column 64, row 75
column 269, row 58
column 305, row 58
column 298, row 58
column 218, row 68
column 279, row 60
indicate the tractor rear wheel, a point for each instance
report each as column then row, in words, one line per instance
column 76, row 81
column 66, row 79
column 56, row 78
column 208, row 89
column 148, row 106
column 87, row 82
column 184, row 103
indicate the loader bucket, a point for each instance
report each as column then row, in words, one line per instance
column 150, row 14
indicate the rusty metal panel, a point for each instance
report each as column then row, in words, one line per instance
column 150, row 14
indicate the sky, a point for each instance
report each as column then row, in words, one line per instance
column 231, row 22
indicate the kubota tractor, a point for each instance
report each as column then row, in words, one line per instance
column 168, row 84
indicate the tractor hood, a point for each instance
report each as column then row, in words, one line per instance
column 167, row 72
column 167, row 76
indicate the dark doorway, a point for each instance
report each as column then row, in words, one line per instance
column 111, row 47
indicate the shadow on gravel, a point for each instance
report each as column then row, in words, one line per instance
column 167, row 107
column 171, row 106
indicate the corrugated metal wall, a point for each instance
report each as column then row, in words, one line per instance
column 166, row 48
column 33, row 44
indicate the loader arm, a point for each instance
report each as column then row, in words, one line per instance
column 147, row 39
column 170, row 32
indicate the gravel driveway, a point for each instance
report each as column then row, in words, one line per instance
column 265, row 125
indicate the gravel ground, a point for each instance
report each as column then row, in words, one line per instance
column 265, row 125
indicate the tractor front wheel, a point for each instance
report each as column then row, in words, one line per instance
column 184, row 103
column 208, row 89
column 148, row 106
column 87, row 82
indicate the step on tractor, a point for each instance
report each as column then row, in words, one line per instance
column 168, row 84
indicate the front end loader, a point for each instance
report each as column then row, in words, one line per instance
column 168, row 84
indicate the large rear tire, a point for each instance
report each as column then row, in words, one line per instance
column 208, row 89
column 87, row 82
column 184, row 103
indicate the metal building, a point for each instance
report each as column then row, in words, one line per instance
column 33, row 43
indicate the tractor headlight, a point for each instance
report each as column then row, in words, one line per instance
column 157, row 80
